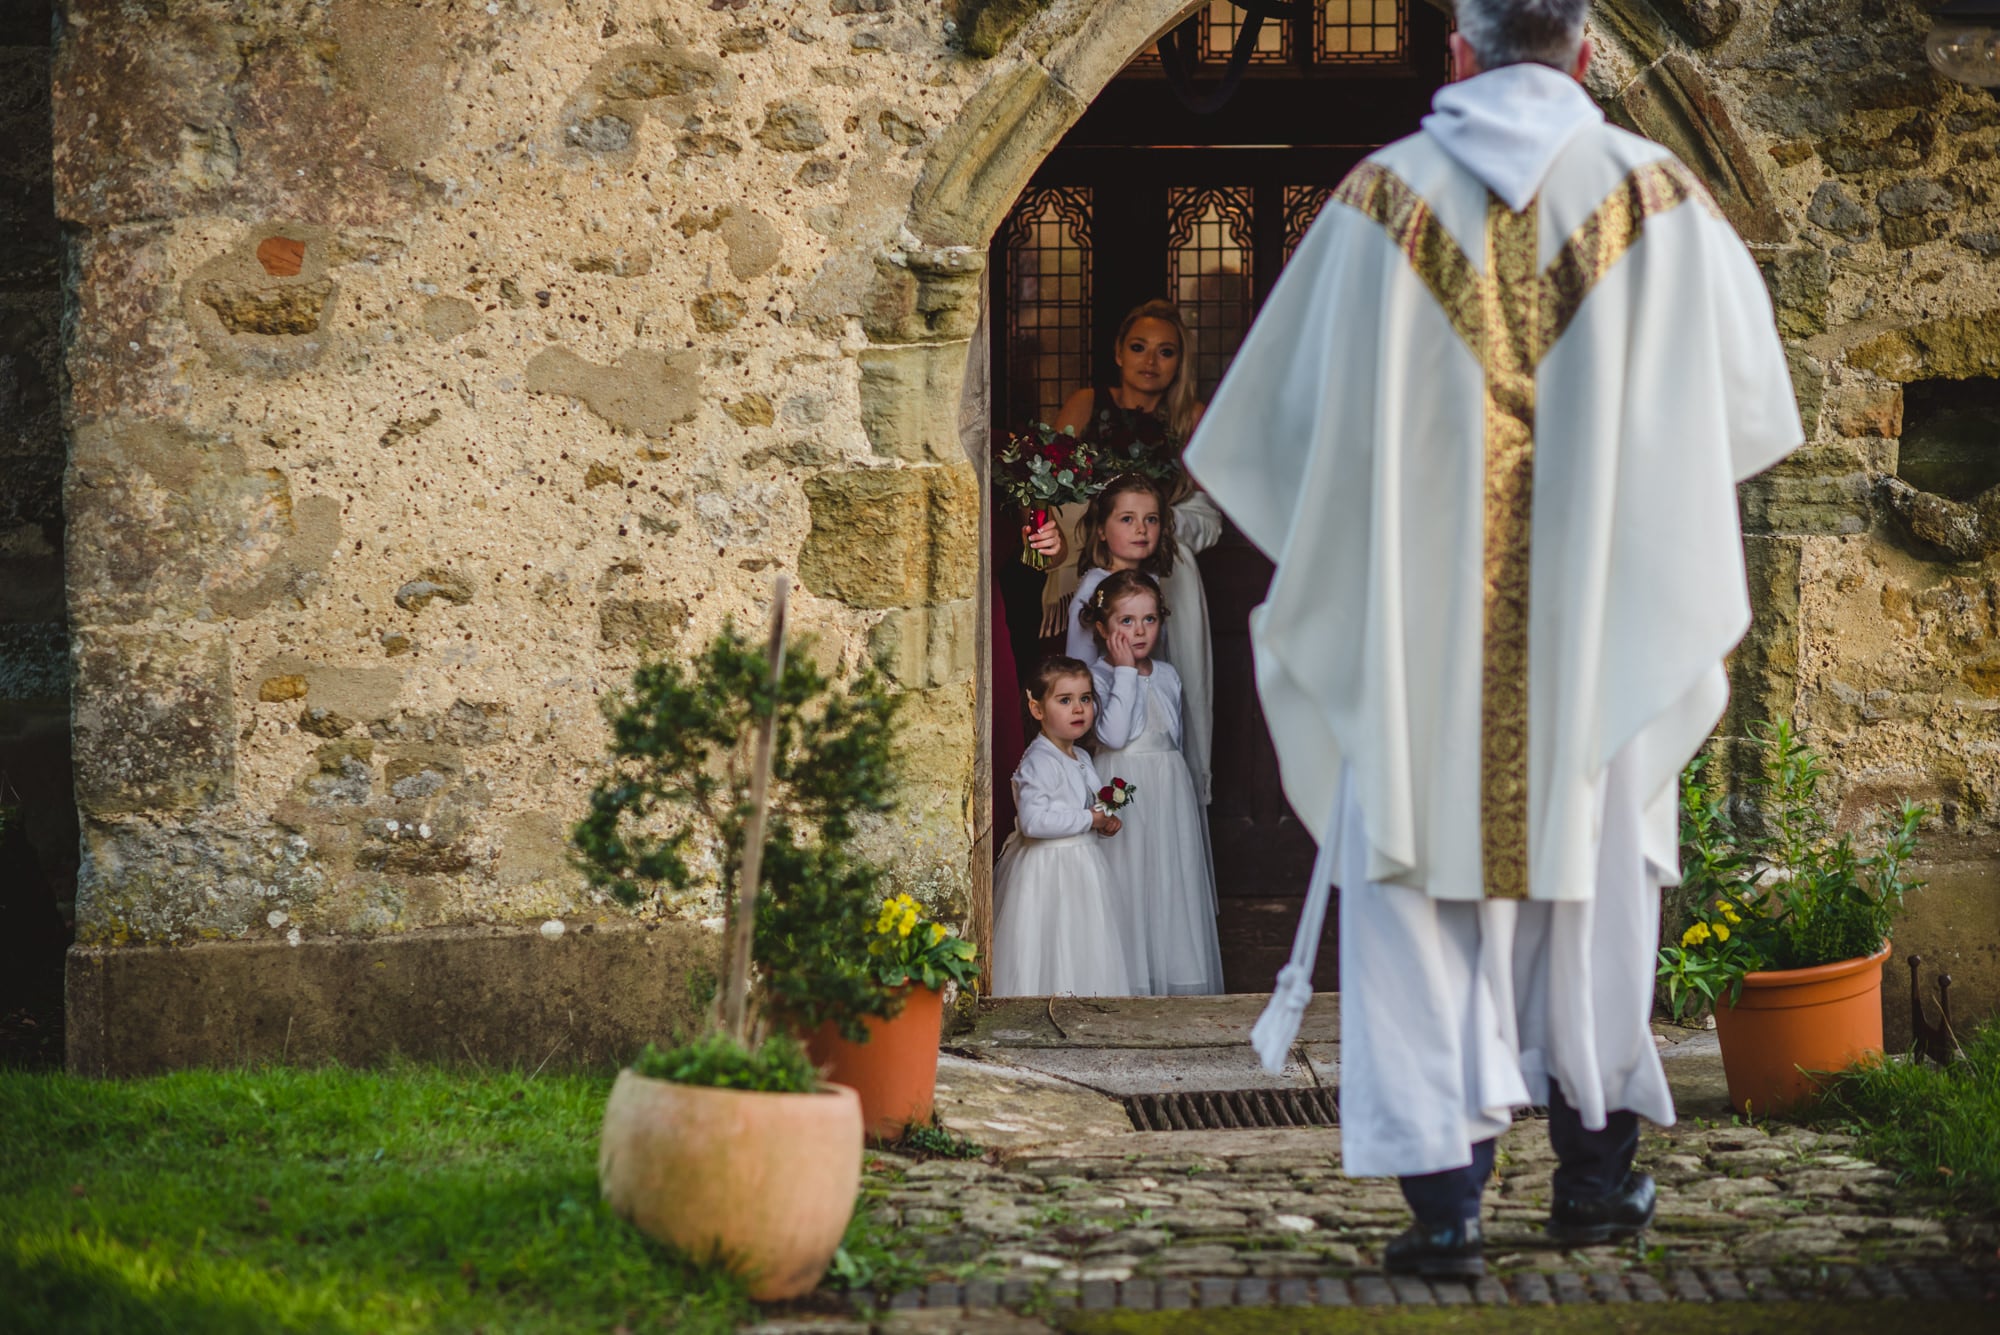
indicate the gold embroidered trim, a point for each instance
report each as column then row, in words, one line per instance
column 1436, row 257
column 1510, row 316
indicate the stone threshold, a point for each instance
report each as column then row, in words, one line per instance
column 1124, row 1046
column 1910, row 1283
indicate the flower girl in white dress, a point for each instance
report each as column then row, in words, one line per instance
column 1163, row 887
column 1054, row 931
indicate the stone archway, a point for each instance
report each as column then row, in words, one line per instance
column 924, row 309
column 923, row 321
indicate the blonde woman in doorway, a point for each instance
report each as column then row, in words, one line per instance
column 1154, row 404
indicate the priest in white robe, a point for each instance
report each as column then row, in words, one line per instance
column 1489, row 426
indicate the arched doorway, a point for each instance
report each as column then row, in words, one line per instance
column 1144, row 197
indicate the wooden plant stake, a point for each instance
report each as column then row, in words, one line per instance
column 735, row 1003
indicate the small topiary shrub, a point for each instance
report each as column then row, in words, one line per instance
column 777, row 1066
column 753, row 762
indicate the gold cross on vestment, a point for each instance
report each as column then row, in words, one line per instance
column 1510, row 316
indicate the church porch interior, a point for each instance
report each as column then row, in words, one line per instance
column 1147, row 196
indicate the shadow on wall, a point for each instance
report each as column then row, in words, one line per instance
column 38, row 826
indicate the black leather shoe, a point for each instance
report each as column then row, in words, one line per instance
column 1452, row 1252
column 1626, row 1212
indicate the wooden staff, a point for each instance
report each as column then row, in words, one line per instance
column 735, row 1003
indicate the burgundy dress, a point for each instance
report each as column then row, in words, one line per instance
column 1010, row 734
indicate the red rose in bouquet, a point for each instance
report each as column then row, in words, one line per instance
column 1041, row 468
column 1115, row 796
column 1138, row 442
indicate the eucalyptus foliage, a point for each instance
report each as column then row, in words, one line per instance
column 678, row 793
column 1783, row 891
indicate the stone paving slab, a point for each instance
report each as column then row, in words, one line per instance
column 1189, row 1151
column 1121, row 1071
column 1005, row 1106
column 1136, row 1022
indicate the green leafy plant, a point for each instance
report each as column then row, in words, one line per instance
column 757, row 765
column 777, row 1066
column 1934, row 1124
column 875, row 1255
column 1784, row 891
column 940, row 1143
column 911, row 949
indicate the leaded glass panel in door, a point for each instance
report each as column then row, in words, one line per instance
column 1209, row 249
column 1048, row 244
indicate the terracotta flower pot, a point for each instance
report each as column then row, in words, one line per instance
column 761, row 1183
column 895, row 1071
column 1789, row 1022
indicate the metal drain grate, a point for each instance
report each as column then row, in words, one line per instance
column 1232, row 1109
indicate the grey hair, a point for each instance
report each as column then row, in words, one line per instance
column 1520, row 32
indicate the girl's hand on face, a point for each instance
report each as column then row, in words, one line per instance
column 1048, row 540
column 1118, row 648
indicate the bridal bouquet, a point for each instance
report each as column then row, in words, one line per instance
column 1135, row 442
column 1114, row 797
column 1042, row 468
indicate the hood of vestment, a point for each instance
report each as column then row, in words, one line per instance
column 1508, row 126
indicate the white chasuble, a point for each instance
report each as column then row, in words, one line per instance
column 1489, row 426
column 1494, row 455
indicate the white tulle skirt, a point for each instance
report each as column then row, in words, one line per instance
column 1162, row 881
column 1054, row 932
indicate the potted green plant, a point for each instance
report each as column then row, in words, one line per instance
column 894, row 1065
column 730, row 1148
column 1785, row 924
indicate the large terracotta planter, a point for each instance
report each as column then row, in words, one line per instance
column 761, row 1183
column 895, row 1071
column 1792, row 1022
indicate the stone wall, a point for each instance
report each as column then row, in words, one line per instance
column 430, row 363
column 1866, row 183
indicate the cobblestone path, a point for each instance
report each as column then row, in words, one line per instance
column 1273, row 1205
column 1073, row 1209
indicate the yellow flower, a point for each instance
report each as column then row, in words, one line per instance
column 1728, row 912
column 908, row 924
column 938, row 932
column 1695, row 935
column 1721, row 932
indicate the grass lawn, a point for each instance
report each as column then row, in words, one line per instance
column 413, row 1199
column 1940, row 1127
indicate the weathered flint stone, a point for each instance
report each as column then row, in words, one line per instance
column 176, row 521
column 154, row 722
column 645, row 392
